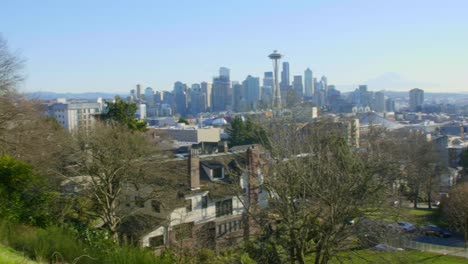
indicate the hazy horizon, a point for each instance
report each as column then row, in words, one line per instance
column 111, row 46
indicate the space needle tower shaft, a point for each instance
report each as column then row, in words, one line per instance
column 275, row 57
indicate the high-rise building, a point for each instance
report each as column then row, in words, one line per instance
column 308, row 83
column 390, row 105
column 149, row 96
column 206, row 89
column 138, row 93
column 267, row 88
column 268, row 79
column 416, row 99
column 379, row 102
column 221, row 93
column 239, row 94
column 197, row 100
column 180, row 98
column 364, row 96
column 224, row 72
column 298, row 88
column 324, row 83
column 252, row 89
column 285, row 76
column 333, row 96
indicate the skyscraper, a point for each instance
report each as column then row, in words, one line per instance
column 268, row 79
column 238, row 94
column 267, row 88
column 285, row 76
column 252, row 89
column 390, row 105
column 197, row 100
column 416, row 99
column 206, row 89
column 224, row 72
column 221, row 92
column 149, row 93
column 379, row 102
column 308, row 83
column 138, row 93
column 180, row 94
column 298, row 88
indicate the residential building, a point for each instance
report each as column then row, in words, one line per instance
column 193, row 134
column 74, row 115
column 203, row 207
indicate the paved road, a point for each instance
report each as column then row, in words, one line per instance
column 453, row 241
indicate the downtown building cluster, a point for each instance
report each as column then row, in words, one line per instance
column 224, row 94
column 257, row 94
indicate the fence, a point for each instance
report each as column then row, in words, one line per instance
column 453, row 251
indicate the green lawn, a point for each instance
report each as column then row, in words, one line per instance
column 10, row 256
column 424, row 216
column 401, row 257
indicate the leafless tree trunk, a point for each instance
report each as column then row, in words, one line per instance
column 455, row 208
column 318, row 183
column 112, row 156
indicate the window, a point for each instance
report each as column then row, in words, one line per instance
column 218, row 173
column 188, row 205
column 224, row 207
column 139, row 202
column 204, row 201
column 183, row 231
column 156, row 241
column 156, row 205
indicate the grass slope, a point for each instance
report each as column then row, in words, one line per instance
column 403, row 257
column 10, row 256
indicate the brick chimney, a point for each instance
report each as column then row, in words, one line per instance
column 223, row 147
column 253, row 162
column 194, row 169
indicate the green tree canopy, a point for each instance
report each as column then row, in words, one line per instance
column 183, row 120
column 24, row 194
column 123, row 112
column 245, row 132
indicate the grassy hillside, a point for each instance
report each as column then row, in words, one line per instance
column 10, row 256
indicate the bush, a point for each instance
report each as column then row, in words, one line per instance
column 24, row 194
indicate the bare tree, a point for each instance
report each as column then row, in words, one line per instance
column 420, row 162
column 455, row 208
column 25, row 132
column 112, row 157
column 10, row 66
column 318, row 184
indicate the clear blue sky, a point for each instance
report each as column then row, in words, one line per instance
column 77, row 46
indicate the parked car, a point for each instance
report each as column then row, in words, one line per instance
column 435, row 231
column 407, row 227
column 403, row 227
column 436, row 203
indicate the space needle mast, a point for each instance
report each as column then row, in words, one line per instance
column 275, row 57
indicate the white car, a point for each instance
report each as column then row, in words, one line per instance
column 407, row 227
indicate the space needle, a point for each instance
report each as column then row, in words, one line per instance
column 275, row 57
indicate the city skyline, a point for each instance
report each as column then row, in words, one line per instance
column 89, row 46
